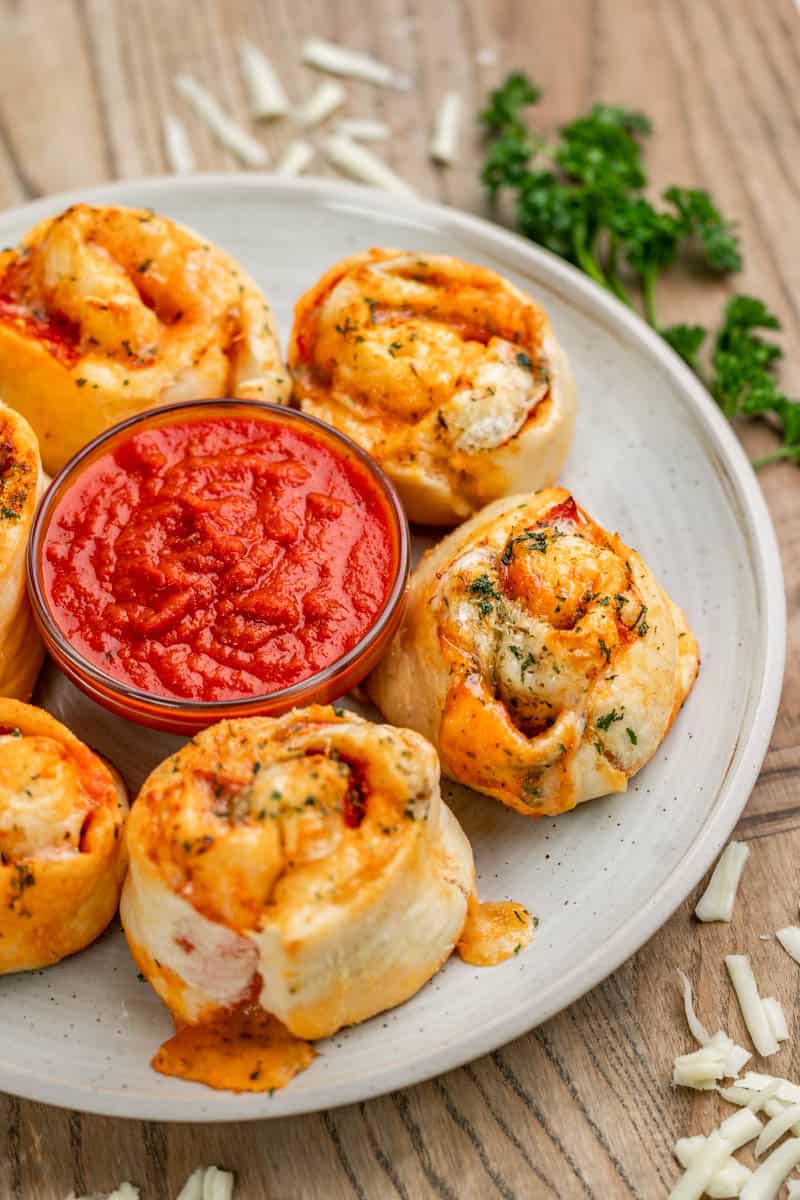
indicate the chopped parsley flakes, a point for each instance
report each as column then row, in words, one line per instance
column 607, row 720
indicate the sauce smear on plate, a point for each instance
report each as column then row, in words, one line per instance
column 249, row 1051
column 494, row 931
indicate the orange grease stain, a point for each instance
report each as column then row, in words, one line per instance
column 494, row 932
column 247, row 1051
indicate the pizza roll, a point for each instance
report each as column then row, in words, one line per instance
column 62, row 853
column 304, row 865
column 22, row 482
column 539, row 654
column 445, row 372
column 106, row 312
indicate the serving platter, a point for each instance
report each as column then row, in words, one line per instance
column 653, row 458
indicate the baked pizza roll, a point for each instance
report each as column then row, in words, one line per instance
column 22, row 482
column 304, row 865
column 539, row 654
column 106, row 312
column 62, row 853
column 445, row 372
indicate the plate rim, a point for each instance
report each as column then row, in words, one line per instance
column 747, row 755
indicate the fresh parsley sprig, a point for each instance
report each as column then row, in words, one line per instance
column 584, row 199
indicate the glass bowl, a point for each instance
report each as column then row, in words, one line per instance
column 188, row 716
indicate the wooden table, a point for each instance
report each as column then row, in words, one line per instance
column 581, row 1107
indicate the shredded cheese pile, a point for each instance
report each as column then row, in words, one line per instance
column 268, row 101
column 710, row 1168
column 206, row 1183
column 716, row 903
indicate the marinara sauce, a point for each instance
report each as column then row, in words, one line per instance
column 219, row 558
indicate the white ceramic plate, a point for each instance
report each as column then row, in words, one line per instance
column 653, row 458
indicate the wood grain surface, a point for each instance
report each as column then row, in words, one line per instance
column 581, row 1107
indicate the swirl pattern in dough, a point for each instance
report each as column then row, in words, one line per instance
column 304, row 865
column 22, row 482
column 106, row 312
column 446, row 373
column 62, row 854
column 539, row 654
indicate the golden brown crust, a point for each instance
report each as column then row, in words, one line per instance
column 539, row 654
column 106, row 312
column 62, row 817
column 21, row 484
column 311, row 852
column 447, row 374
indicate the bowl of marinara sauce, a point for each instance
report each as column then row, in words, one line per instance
column 218, row 558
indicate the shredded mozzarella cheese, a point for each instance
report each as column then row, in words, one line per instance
column 224, row 128
column 755, row 1101
column 696, row 1026
column 738, row 1130
column 781, row 1123
column 765, row 1182
column 789, row 938
column 732, row 1057
column 700, row 1070
column 777, row 1018
column 784, row 1089
column 731, row 1177
column 686, row 1148
column 177, row 146
column 320, row 104
column 295, row 159
column 444, row 144
column 125, row 1191
column 363, row 130
column 339, row 60
column 360, row 163
column 728, row 1180
column 753, row 1012
column 207, row 1183
column 264, row 90
column 716, row 903
column 704, row 1166
column 741, row 1128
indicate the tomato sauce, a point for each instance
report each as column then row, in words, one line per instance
column 60, row 337
column 219, row 558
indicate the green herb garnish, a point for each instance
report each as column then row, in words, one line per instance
column 536, row 539
column 584, row 198
column 607, row 720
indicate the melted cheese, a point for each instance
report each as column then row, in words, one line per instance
column 62, row 854
column 494, row 932
column 448, row 375
column 42, row 803
column 149, row 312
column 247, row 1051
column 22, row 483
column 304, row 866
column 539, row 654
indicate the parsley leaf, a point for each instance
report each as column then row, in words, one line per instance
column 607, row 720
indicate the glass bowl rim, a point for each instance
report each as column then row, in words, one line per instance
column 215, row 709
